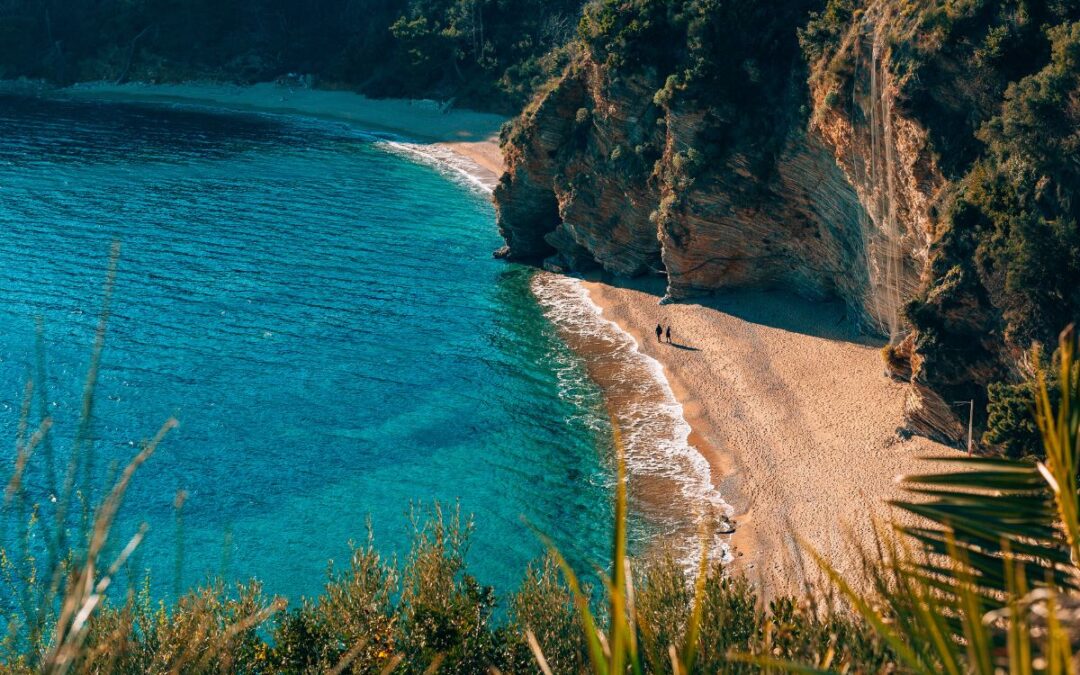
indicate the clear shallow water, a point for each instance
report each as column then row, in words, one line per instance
column 325, row 320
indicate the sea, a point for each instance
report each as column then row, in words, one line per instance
column 318, row 308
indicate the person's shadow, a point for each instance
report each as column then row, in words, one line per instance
column 688, row 348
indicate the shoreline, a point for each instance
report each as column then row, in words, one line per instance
column 466, row 143
column 789, row 444
column 721, row 464
column 670, row 479
column 793, row 411
column 466, row 140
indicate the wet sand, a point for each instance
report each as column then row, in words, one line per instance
column 669, row 480
column 794, row 413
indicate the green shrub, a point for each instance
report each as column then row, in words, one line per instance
column 822, row 33
column 663, row 96
column 545, row 607
column 1009, row 422
column 353, row 617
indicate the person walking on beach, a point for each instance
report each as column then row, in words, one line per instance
column 659, row 333
column 669, row 334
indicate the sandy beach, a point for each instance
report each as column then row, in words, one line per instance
column 794, row 413
column 469, row 134
column 789, row 405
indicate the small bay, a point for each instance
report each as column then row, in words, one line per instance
column 322, row 316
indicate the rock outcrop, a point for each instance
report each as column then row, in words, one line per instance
column 838, row 191
column 601, row 175
column 576, row 194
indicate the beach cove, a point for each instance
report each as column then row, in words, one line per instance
column 788, row 405
column 799, row 422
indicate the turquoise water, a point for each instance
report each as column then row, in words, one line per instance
column 323, row 317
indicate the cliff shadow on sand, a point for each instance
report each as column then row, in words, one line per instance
column 828, row 319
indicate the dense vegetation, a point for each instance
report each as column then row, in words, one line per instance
column 1013, row 240
column 484, row 53
column 986, row 584
column 373, row 614
column 995, row 84
column 737, row 63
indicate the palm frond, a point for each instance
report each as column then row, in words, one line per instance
column 988, row 506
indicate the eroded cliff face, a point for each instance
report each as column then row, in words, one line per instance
column 887, row 158
column 576, row 194
column 602, row 175
column 729, row 227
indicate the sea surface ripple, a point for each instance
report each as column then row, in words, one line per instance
column 324, row 318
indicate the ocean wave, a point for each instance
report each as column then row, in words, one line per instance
column 658, row 450
column 446, row 160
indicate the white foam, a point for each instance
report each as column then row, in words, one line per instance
column 670, row 455
column 437, row 156
column 444, row 158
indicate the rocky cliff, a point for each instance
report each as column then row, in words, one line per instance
column 611, row 172
column 833, row 171
column 887, row 159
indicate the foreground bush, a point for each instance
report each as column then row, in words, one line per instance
column 987, row 583
column 374, row 615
